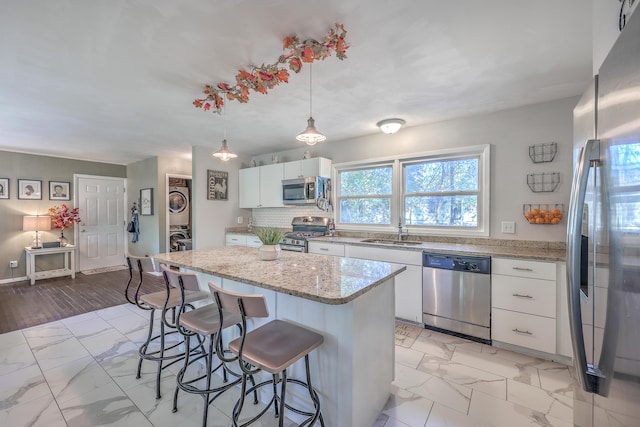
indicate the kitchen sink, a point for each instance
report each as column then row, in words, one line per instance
column 392, row 242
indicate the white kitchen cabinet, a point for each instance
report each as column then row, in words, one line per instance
column 253, row 241
column 408, row 284
column 523, row 303
column 235, row 239
column 317, row 166
column 564, row 346
column 326, row 248
column 261, row 187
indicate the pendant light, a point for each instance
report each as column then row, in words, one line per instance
column 310, row 135
column 223, row 153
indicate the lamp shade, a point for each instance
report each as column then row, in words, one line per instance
column 311, row 135
column 390, row 126
column 36, row 223
column 223, row 153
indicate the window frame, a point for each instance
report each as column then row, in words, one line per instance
column 482, row 152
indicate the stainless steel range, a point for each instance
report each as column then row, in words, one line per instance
column 304, row 228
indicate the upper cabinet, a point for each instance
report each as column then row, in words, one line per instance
column 261, row 187
column 317, row 166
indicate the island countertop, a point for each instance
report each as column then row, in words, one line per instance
column 322, row 278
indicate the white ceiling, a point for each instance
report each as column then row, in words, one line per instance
column 114, row 80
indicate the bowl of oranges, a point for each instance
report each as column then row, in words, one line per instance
column 543, row 214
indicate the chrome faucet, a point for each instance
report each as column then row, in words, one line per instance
column 400, row 232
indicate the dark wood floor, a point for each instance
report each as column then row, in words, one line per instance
column 23, row 305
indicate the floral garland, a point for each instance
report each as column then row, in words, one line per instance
column 62, row 217
column 267, row 76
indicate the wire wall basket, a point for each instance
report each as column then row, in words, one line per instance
column 543, row 214
column 544, row 182
column 541, row 153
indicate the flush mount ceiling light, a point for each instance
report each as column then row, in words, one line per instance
column 390, row 126
column 223, row 153
column 311, row 135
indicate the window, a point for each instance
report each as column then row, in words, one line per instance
column 365, row 195
column 445, row 192
column 441, row 193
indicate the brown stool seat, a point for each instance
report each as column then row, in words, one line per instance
column 157, row 299
column 205, row 320
column 277, row 345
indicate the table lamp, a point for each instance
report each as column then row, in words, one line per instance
column 36, row 223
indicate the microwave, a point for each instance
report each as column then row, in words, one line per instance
column 304, row 191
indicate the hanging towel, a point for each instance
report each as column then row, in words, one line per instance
column 136, row 228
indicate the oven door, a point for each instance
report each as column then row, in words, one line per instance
column 293, row 248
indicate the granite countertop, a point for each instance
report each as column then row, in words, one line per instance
column 524, row 250
column 322, row 278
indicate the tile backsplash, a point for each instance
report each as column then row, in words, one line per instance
column 281, row 217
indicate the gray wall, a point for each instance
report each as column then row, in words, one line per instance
column 44, row 168
column 510, row 133
column 211, row 217
column 152, row 173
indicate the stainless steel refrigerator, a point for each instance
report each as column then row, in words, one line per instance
column 603, row 240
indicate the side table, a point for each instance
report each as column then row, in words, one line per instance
column 69, row 262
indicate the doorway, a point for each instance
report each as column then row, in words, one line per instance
column 179, row 213
column 100, row 237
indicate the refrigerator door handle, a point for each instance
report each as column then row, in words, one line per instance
column 588, row 374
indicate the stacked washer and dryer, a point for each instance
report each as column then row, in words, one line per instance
column 179, row 219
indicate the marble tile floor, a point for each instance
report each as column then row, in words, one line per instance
column 80, row 371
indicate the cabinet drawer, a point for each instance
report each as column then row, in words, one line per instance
column 253, row 242
column 326, row 248
column 236, row 240
column 524, row 268
column 525, row 330
column 532, row 296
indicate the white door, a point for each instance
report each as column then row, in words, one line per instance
column 100, row 235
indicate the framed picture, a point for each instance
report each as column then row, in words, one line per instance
column 146, row 201
column 4, row 188
column 29, row 189
column 59, row 190
column 217, row 185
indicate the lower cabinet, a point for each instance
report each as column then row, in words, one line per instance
column 523, row 300
column 408, row 292
column 326, row 248
column 232, row 239
column 235, row 239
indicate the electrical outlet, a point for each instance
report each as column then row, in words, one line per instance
column 509, row 227
column 240, row 220
column 13, row 264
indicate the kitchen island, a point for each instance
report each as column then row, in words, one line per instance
column 349, row 301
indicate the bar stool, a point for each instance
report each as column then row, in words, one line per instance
column 202, row 322
column 271, row 348
column 139, row 266
column 167, row 301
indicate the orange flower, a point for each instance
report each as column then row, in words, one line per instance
column 295, row 65
column 230, row 96
column 198, row 103
column 223, row 86
column 307, row 54
column 288, row 41
column 283, row 75
column 207, row 106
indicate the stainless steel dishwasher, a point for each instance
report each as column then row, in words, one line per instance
column 456, row 294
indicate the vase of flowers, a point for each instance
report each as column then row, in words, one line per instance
column 62, row 218
column 270, row 238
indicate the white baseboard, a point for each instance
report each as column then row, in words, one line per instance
column 13, row 279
